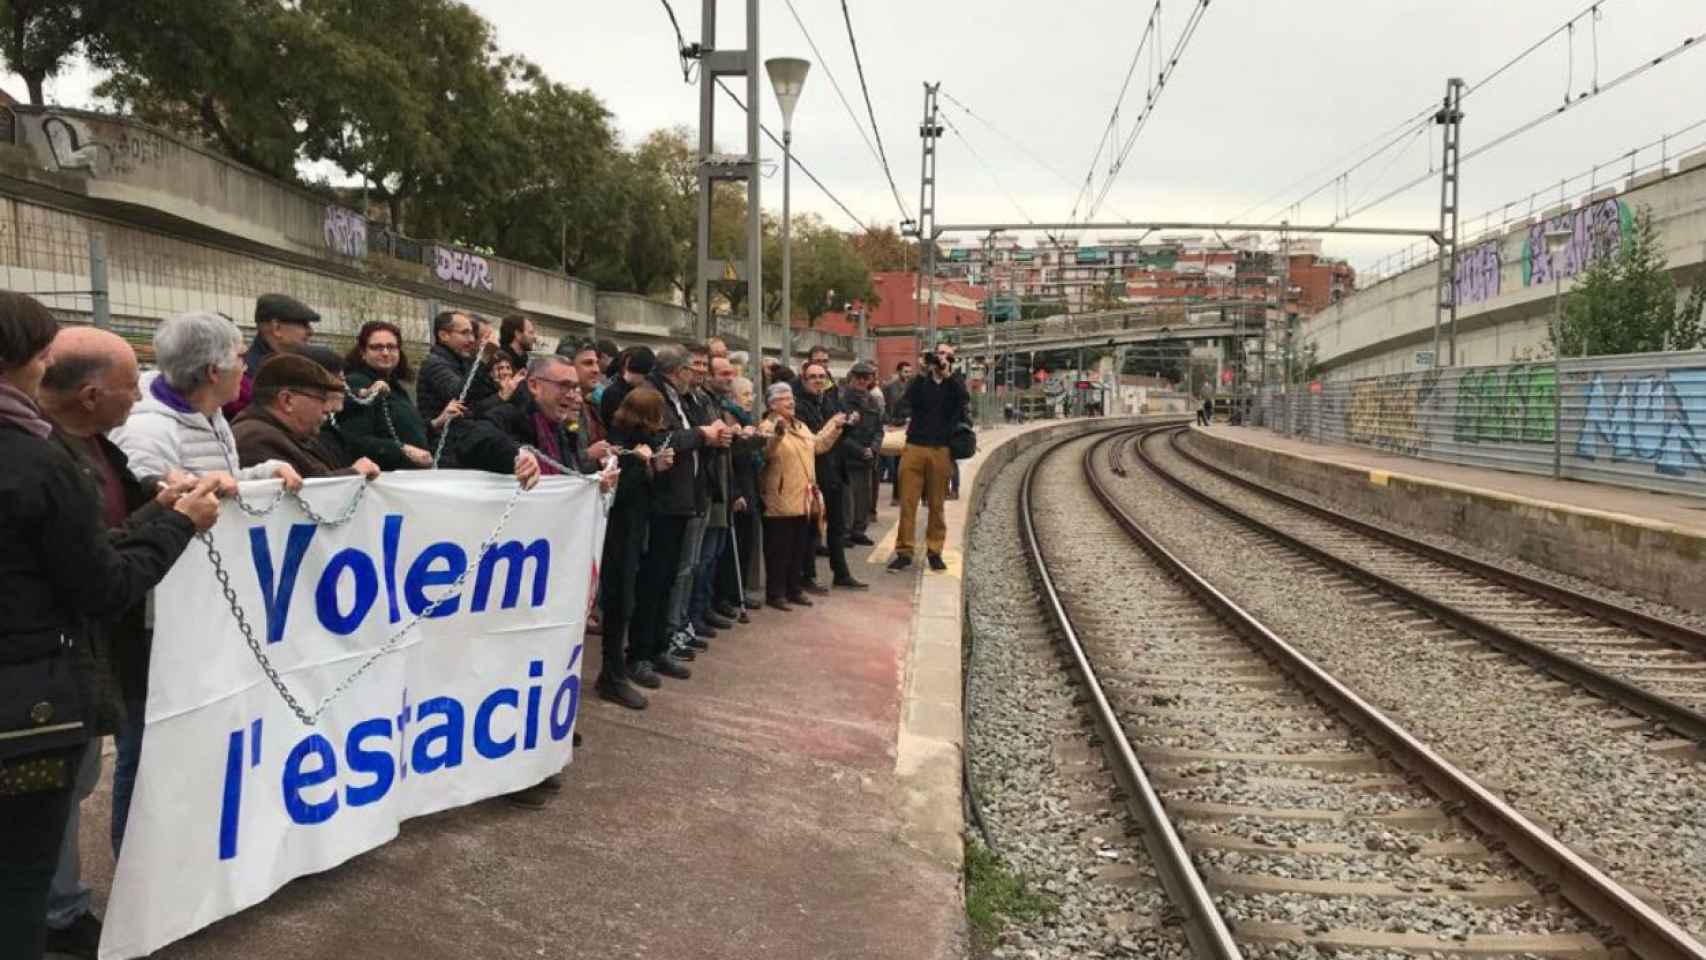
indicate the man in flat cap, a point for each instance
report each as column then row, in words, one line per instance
column 281, row 322
column 292, row 397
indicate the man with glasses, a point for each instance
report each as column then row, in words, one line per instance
column 292, row 396
column 936, row 401
column 455, row 351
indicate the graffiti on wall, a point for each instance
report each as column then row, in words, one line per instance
column 1477, row 276
column 73, row 146
column 1596, row 230
column 1387, row 413
column 1504, row 404
column 468, row 269
column 346, row 231
column 1657, row 418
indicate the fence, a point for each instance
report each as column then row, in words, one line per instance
column 1637, row 420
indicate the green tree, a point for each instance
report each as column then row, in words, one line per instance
column 1626, row 302
column 227, row 73
column 828, row 271
column 38, row 36
column 885, row 250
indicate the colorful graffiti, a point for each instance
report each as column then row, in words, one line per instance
column 469, row 269
column 1504, row 404
column 1656, row 418
column 346, row 231
column 1477, row 276
column 1596, row 230
column 1387, row 413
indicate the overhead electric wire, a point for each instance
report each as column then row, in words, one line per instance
column 681, row 47
column 1191, row 25
column 1424, row 117
column 1688, row 43
column 797, row 162
column 1017, row 144
column 988, row 169
column 851, row 113
column 882, row 154
column 1113, row 117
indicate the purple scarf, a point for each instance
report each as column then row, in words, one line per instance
column 19, row 410
column 163, row 392
column 548, row 445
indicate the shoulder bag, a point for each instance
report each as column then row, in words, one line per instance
column 41, row 697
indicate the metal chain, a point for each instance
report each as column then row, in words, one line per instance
column 390, row 644
column 380, row 391
column 479, row 361
column 296, row 495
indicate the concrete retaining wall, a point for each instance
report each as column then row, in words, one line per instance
column 1642, row 557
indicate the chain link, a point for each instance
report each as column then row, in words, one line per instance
column 479, row 361
column 379, row 393
column 390, row 644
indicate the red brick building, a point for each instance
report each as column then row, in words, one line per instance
column 898, row 320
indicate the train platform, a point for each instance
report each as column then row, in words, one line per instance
column 798, row 797
column 1646, row 543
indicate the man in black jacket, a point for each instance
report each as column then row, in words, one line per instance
column 815, row 405
column 863, row 442
column 86, row 392
column 499, row 439
column 936, row 402
column 678, row 497
column 455, row 351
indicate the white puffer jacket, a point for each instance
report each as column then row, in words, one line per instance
column 157, row 438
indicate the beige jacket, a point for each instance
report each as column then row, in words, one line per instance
column 790, row 466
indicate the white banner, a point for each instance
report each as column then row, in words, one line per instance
column 236, row 795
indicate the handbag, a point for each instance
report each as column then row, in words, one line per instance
column 41, row 697
column 962, row 442
column 894, row 440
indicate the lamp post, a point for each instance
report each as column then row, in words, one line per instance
column 787, row 78
column 1557, row 239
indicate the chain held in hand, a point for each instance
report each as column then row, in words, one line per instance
column 438, row 452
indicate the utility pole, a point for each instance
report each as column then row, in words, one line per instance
column 715, row 63
column 928, row 131
column 1450, row 116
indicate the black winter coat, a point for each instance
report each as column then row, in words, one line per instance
column 60, row 571
column 867, row 434
column 682, row 490
column 498, row 435
column 814, row 412
column 440, row 380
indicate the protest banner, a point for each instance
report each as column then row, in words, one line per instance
column 421, row 654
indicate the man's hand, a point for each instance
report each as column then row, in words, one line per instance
column 664, row 459
column 489, row 346
column 367, row 468
column 607, row 479
column 599, row 450
column 451, row 411
column 526, row 470
column 866, row 453
column 292, row 479
column 200, row 503
column 739, row 505
column 643, row 452
column 417, row 456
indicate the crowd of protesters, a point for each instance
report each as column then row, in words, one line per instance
column 111, row 471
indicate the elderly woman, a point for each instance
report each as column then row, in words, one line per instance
column 382, row 422
column 60, row 578
column 792, row 502
column 179, row 424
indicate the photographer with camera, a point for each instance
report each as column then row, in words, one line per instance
column 937, row 401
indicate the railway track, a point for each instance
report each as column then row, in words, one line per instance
column 1653, row 667
column 1281, row 812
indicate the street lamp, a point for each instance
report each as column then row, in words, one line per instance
column 787, row 78
column 1557, row 240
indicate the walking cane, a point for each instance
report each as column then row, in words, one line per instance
column 740, row 587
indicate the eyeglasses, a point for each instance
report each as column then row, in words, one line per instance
column 564, row 384
column 816, row 376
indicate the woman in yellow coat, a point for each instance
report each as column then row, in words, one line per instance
column 792, row 501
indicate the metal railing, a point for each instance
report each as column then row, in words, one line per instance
column 1637, row 420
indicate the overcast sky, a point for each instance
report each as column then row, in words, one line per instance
column 1266, row 95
